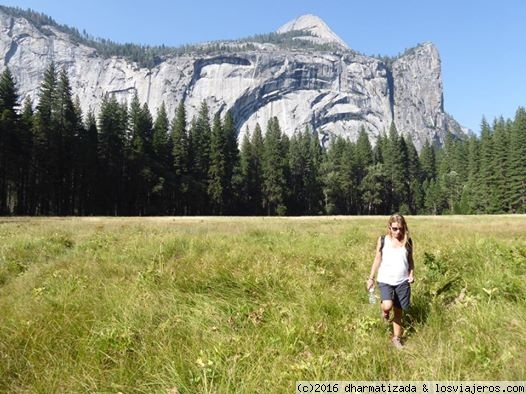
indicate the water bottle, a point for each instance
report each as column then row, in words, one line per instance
column 372, row 298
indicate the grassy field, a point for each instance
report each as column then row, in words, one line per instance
column 244, row 305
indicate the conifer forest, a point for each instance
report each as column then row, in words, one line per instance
column 124, row 160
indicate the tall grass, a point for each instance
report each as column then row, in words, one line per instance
column 220, row 305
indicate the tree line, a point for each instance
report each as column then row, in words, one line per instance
column 55, row 160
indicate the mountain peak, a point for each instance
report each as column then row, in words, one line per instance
column 316, row 27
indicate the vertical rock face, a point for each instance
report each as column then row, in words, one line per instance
column 330, row 89
column 333, row 94
column 418, row 95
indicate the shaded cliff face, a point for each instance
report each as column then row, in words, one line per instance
column 334, row 92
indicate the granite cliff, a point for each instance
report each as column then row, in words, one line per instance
column 326, row 86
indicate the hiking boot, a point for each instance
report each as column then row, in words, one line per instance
column 396, row 342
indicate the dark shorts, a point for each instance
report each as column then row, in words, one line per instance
column 400, row 294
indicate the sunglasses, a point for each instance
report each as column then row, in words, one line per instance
column 396, row 228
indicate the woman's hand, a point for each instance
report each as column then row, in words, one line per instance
column 411, row 279
column 370, row 283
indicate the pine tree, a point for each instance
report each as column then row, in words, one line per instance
column 416, row 196
column 433, row 197
column 161, row 143
column 364, row 159
column 486, row 180
column 500, row 164
column 258, row 157
column 364, row 154
column 517, row 169
column 88, row 165
column 9, row 144
column 180, row 160
column 449, row 180
column 252, row 149
column 113, row 122
column 217, row 169
column 25, row 199
column 199, row 155
column 396, row 161
column 402, row 177
column 274, row 177
column 245, row 164
column 135, row 156
column 8, row 92
column 232, row 164
column 428, row 162
column 340, row 187
column 314, row 185
column 349, row 179
column 68, row 124
column 461, row 167
column 469, row 194
column 45, row 145
column 374, row 190
column 300, row 173
column 305, row 156
column 381, row 147
column 77, row 170
column 162, row 147
column 141, row 177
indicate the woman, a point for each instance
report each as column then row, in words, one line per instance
column 395, row 267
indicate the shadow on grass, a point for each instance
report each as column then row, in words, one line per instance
column 418, row 313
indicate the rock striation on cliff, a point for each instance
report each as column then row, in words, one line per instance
column 327, row 86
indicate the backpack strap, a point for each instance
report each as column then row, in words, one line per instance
column 409, row 245
column 382, row 242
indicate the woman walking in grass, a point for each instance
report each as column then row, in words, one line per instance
column 395, row 267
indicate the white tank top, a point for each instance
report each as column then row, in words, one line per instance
column 394, row 266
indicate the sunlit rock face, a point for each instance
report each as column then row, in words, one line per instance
column 332, row 90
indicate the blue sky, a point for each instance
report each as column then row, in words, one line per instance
column 482, row 44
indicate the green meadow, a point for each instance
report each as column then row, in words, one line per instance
column 245, row 305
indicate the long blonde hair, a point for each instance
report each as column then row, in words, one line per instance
column 400, row 220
